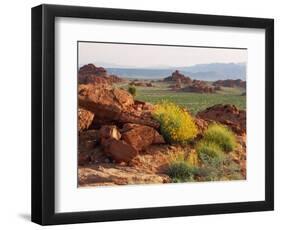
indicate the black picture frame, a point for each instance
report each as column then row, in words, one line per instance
column 43, row 114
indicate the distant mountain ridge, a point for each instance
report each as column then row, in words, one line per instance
column 207, row 72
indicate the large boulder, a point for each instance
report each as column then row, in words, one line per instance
column 228, row 115
column 85, row 119
column 105, row 102
column 116, row 149
column 114, row 105
column 141, row 136
column 124, row 145
column 119, row 150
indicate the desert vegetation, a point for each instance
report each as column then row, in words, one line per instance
column 176, row 125
column 173, row 130
column 132, row 90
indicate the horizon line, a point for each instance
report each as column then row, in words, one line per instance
column 159, row 67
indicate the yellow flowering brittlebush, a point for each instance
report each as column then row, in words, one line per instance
column 176, row 124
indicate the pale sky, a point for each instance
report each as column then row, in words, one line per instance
column 139, row 56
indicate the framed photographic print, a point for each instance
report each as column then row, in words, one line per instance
column 143, row 114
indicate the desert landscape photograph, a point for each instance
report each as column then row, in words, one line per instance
column 156, row 114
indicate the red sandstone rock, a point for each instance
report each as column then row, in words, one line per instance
column 119, row 150
column 201, row 124
column 104, row 101
column 140, row 136
column 228, row 115
column 114, row 105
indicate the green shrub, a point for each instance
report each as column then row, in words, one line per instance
column 210, row 153
column 176, row 124
column 132, row 90
column 217, row 140
column 180, row 171
column 220, row 135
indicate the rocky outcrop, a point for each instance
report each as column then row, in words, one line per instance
column 123, row 145
column 198, row 86
column 96, row 75
column 228, row 115
column 186, row 84
column 179, row 78
column 92, row 69
column 114, row 105
column 118, row 150
column 114, row 108
column 85, row 119
column 91, row 74
column 230, row 83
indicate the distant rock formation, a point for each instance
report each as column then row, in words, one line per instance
column 96, row 75
column 179, row 78
column 198, row 86
column 230, row 83
column 141, row 83
column 184, row 83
